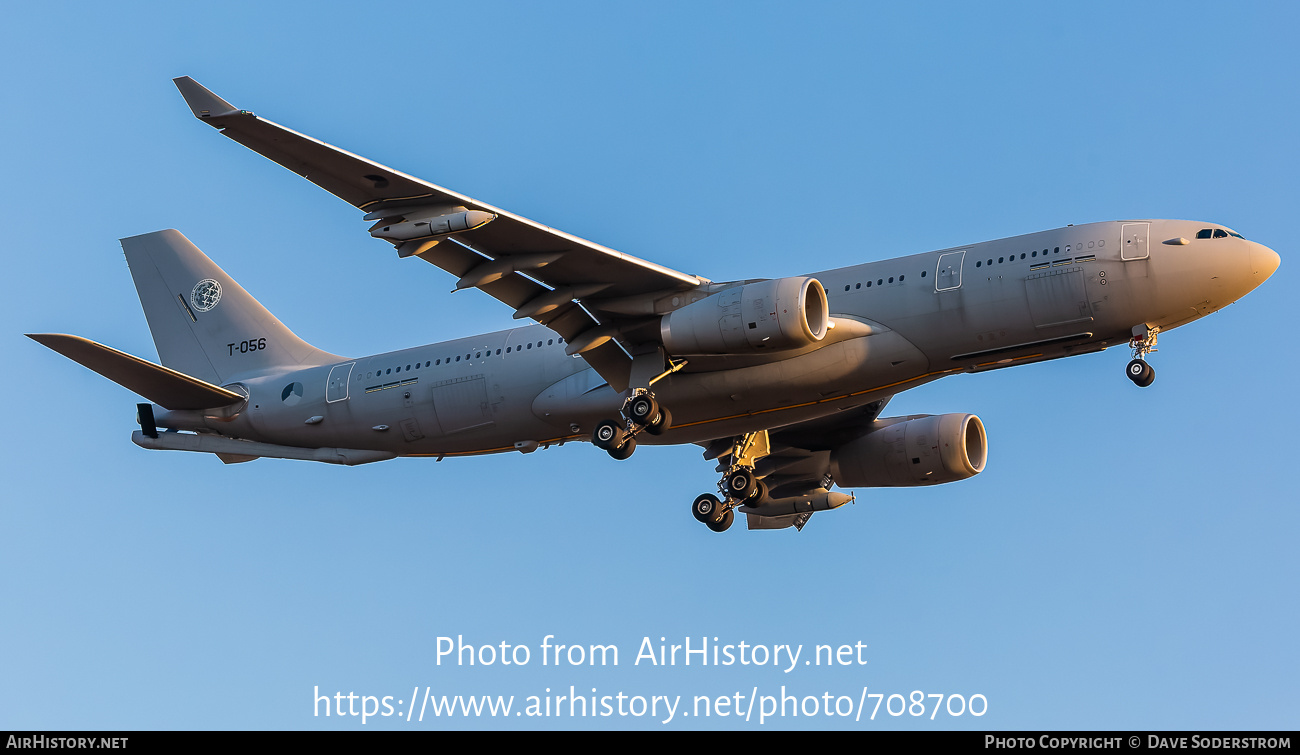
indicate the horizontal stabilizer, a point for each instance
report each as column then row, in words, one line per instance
column 165, row 387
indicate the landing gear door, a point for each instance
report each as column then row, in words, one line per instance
column 1133, row 241
column 337, row 389
column 947, row 274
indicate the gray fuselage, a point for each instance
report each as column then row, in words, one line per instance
column 898, row 323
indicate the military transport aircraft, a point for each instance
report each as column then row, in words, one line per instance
column 781, row 381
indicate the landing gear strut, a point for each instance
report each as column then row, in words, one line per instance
column 1143, row 342
column 739, row 484
column 641, row 412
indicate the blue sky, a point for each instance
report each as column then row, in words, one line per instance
column 1126, row 560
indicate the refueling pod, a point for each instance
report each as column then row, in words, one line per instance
column 771, row 315
column 409, row 223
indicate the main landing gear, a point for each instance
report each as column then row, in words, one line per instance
column 1143, row 342
column 641, row 413
column 738, row 486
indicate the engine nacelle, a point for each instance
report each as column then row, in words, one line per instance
column 912, row 451
column 773, row 315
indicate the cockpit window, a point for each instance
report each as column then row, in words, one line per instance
column 1217, row 233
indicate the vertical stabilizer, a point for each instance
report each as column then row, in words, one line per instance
column 204, row 324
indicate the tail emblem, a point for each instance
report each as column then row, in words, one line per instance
column 205, row 295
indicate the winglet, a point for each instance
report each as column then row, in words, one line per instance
column 203, row 102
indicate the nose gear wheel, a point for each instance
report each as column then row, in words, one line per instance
column 1143, row 343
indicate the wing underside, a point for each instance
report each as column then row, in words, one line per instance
column 796, row 471
column 579, row 289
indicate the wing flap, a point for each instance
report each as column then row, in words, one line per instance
column 165, row 387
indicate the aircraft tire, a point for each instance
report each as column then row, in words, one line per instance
column 643, row 410
column 1141, row 373
column 624, row 451
column 741, row 483
column 665, row 422
column 1149, row 378
column 705, row 507
column 608, row 435
column 722, row 523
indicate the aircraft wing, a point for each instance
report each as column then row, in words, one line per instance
column 800, row 459
column 577, row 288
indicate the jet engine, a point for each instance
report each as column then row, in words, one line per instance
column 906, row 452
column 772, row 315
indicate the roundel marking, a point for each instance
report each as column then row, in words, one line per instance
column 205, row 295
column 291, row 394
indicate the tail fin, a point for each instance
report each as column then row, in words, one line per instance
column 204, row 324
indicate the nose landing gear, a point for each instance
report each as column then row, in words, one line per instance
column 1143, row 342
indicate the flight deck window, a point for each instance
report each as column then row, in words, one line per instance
column 1205, row 233
column 1219, row 233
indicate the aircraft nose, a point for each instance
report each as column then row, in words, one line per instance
column 1263, row 261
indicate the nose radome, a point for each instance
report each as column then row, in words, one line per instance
column 1263, row 261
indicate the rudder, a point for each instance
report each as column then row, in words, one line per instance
column 203, row 323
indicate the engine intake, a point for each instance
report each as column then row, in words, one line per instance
column 907, row 452
column 772, row 315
